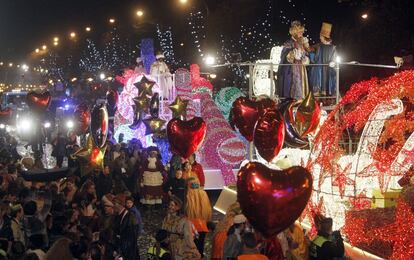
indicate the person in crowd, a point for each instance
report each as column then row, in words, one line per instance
column 298, row 245
column 220, row 233
column 132, row 208
column 34, row 220
column 160, row 249
column 198, row 207
column 233, row 245
column 59, row 149
column 250, row 248
column 125, row 229
column 152, row 179
column 198, row 169
column 16, row 223
column 198, row 204
column 180, row 235
column 103, row 182
column 176, row 186
column 69, row 189
column 327, row 244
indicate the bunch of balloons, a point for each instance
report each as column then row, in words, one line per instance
column 149, row 103
column 269, row 125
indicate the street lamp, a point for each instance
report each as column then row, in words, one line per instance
column 210, row 60
column 111, row 20
column 140, row 13
column 88, row 29
column 56, row 39
column 11, row 64
column 72, row 35
column 55, row 43
column 44, row 47
column 37, row 50
column 364, row 16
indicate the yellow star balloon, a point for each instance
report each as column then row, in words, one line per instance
column 179, row 107
column 141, row 103
column 144, row 86
column 91, row 154
column 154, row 125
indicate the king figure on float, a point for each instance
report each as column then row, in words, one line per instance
column 161, row 72
column 323, row 78
column 292, row 79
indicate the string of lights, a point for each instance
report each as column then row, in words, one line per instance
column 197, row 30
column 166, row 43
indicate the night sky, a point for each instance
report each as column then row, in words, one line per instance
column 25, row 25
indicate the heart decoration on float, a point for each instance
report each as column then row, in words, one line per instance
column 245, row 112
column 99, row 125
column 269, row 134
column 38, row 102
column 281, row 196
column 82, row 118
column 186, row 137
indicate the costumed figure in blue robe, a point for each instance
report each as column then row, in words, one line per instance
column 292, row 81
column 323, row 78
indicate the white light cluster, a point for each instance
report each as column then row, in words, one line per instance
column 166, row 43
column 196, row 21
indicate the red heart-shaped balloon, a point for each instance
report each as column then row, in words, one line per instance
column 185, row 137
column 38, row 102
column 82, row 117
column 245, row 113
column 269, row 134
column 270, row 199
column 5, row 115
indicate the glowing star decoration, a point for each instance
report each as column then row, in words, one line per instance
column 84, row 153
column 178, row 107
column 341, row 179
column 154, row 125
column 144, row 86
column 97, row 157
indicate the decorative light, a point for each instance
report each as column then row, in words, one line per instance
column 25, row 67
column 210, row 60
column 37, row 50
column 70, row 124
column 44, row 47
column 88, row 29
column 111, row 20
column 338, row 59
column 46, row 125
column 140, row 13
column 55, row 43
column 364, row 16
column 183, row 1
column 11, row 64
column 102, row 76
column 213, row 76
column 74, row 79
column 182, row 44
column 89, row 79
column 72, row 35
column 56, row 39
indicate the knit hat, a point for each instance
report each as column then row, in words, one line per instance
column 239, row 219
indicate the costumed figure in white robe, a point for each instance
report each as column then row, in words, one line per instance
column 161, row 72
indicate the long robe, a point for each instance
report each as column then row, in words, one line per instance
column 292, row 81
column 323, row 78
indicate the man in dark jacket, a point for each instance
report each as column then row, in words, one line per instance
column 125, row 230
column 103, row 182
column 326, row 245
